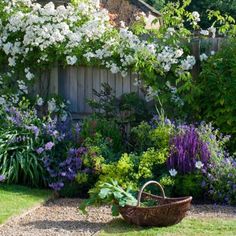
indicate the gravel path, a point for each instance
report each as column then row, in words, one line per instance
column 60, row 217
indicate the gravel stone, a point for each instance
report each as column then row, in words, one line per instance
column 61, row 217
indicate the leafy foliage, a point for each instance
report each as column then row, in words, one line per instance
column 128, row 108
column 217, row 86
column 220, row 181
column 110, row 192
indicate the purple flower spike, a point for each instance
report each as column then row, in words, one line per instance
column 186, row 149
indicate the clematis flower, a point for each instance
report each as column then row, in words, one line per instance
column 199, row 165
column 173, row 172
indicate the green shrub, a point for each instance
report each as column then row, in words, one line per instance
column 157, row 135
column 108, row 129
column 133, row 170
column 217, row 86
column 189, row 185
column 129, row 108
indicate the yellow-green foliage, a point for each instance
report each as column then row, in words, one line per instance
column 144, row 136
column 82, row 178
column 149, row 160
column 160, row 136
column 123, row 171
column 133, row 169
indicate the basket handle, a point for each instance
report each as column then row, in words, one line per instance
column 145, row 185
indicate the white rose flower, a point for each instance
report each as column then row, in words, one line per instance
column 29, row 76
column 196, row 16
column 203, row 57
column 204, row 32
column 71, row 60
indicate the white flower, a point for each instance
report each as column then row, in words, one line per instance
column 71, row 60
column 213, row 53
column 173, row 172
column 122, row 24
column 52, row 106
column 64, row 116
column 29, row 76
column 39, row 101
column 22, row 86
column 199, row 165
column 203, row 57
column 137, row 82
column 2, row 101
column 212, row 30
column 179, row 52
column 196, row 17
column 188, row 63
column 151, row 94
column 204, row 32
column 11, row 61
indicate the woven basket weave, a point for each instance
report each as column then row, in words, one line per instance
column 169, row 211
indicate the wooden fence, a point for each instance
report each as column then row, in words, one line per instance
column 77, row 83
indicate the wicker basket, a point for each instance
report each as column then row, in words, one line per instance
column 169, row 211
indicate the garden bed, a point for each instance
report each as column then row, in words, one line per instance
column 61, row 217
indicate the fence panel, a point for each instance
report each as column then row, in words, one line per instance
column 77, row 83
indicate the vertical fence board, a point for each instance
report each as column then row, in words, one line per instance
column 111, row 80
column 88, row 88
column 62, row 81
column 96, row 80
column 127, row 83
column 133, row 77
column 81, row 89
column 103, row 76
column 119, row 85
column 53, row 86
column 73, row 91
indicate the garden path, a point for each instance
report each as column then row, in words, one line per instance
column 60, row 217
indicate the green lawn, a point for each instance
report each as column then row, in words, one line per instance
column 188, row 227
column 16, row 199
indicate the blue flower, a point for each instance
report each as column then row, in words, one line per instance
column 40, row 150
column 57, row 186
column 49, row 146
column 2, row 178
